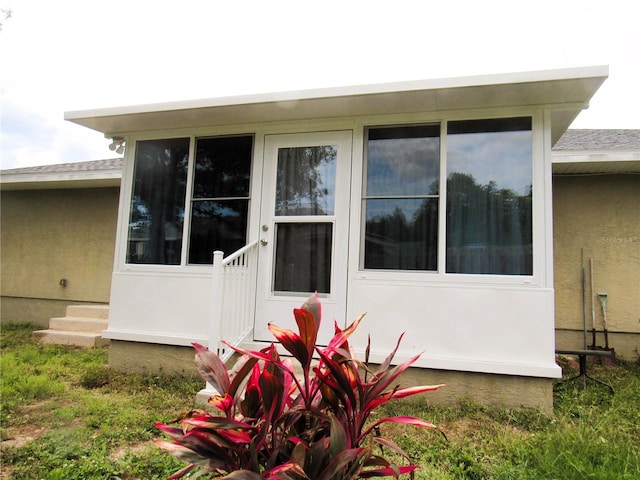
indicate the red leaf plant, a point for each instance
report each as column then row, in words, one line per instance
column 275, row 423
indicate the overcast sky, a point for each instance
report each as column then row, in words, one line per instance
column 62, row 55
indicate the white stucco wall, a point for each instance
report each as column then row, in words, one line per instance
column 164, row 308
column 503, row 330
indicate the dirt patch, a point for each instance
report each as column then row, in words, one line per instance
column 120, row 453
column 19, row 437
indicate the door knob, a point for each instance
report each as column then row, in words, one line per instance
column 263, row 242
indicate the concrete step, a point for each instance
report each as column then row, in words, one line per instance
column 62, row 337
column 78, row 324
column 82, row 327
column 88, row 311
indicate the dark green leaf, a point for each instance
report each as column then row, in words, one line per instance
column 338, row 437
column 340, row 462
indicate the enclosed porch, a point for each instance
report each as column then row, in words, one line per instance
column 425, row 204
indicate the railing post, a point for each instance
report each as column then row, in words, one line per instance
column 230, row 286
column 215, row 324
column 215, row 319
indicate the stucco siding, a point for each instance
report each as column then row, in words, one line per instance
column 600, row 215
column 50, row 235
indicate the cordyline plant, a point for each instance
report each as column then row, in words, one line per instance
column 277, row 423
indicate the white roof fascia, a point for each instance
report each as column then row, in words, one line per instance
column 588, row 162
column 59, row 180
column 571, row 86
column 587, row 156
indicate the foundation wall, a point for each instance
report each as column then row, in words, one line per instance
column 485, row 389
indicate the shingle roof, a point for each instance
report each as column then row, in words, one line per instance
column 93, row 174
column 90, row 166
column 598, row 139
column 594, row 152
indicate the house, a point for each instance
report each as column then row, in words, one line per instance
column 57, row 238
column 596, row 216
column 595, row 176
column 427, row 204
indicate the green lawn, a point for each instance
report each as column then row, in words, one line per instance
column 65, row 415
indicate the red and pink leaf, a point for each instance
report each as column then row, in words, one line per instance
column 292, row 342
column 342, row 336
column 224, row 403
column 216, row 423
column 385, row 442
column 243, row 475
column 308, row 331
column 313, row 305
column 182, row 453
column 408, row 391
column 211, row 368
column 389, row 471
column 401, row 420
column 287, row 471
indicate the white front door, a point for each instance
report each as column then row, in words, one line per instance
column 304, row 229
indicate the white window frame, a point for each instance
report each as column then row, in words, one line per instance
column 540, row 199
column 126, row 196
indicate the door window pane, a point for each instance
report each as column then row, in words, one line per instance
column 489, row 192
column 303, row 257
column 306, row 181
column 220, row 204
column 157, row 206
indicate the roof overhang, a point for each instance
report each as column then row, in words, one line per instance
column 60, row 180
column 595, row 162
column 565, row 92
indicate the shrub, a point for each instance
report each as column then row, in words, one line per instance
column 274, row 424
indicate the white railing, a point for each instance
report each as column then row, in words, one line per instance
column 233, row 298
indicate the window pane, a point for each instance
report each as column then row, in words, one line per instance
column 403, row 161
column 306, row 181
column 223, row 166
column 401, row 234
column 401, row 201
column 217, row 225
column 157, row 205
column 303, row 257
column 489, row 191
column 222, row 177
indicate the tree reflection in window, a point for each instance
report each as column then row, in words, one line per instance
column 157, row 206
column 306, row 179
column 489, row 193
column 401, row 201
column 220, row 199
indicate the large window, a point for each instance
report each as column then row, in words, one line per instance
column 489, row 172
column 488, row 165
column 218, row 208
column 401, row 198
column 157, row 205
column 220, row 196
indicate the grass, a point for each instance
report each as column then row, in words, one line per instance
column 65, row 415
column 591, row 435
